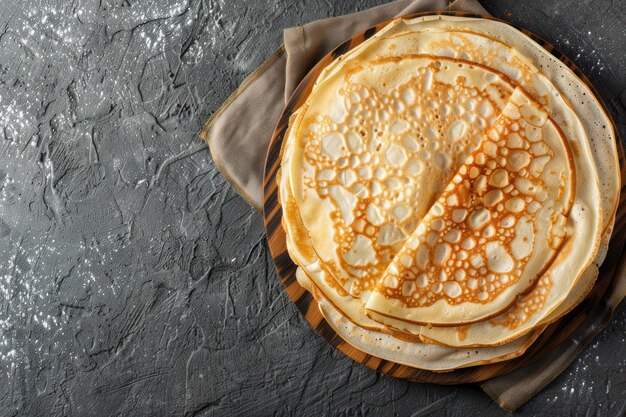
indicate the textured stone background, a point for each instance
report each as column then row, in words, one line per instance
column 133, row 279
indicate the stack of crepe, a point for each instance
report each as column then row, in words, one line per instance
column 448, row 190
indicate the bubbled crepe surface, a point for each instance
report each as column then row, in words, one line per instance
column 517, row 321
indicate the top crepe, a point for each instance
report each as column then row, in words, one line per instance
column 492, row 232
column 434, row 174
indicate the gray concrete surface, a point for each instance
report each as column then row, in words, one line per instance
column 133, row 279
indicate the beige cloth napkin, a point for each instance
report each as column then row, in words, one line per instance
column 238, row 135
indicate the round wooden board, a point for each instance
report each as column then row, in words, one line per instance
column 549, row 339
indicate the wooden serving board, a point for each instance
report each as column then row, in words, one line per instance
column 549, row 340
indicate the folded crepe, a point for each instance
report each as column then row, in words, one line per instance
column 441, row 191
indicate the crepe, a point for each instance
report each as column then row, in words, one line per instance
column 427, row 356
column 493, row 231
column 366, row 172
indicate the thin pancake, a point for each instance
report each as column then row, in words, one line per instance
column 419, row 355
column 373, row 149
column 492, row 233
